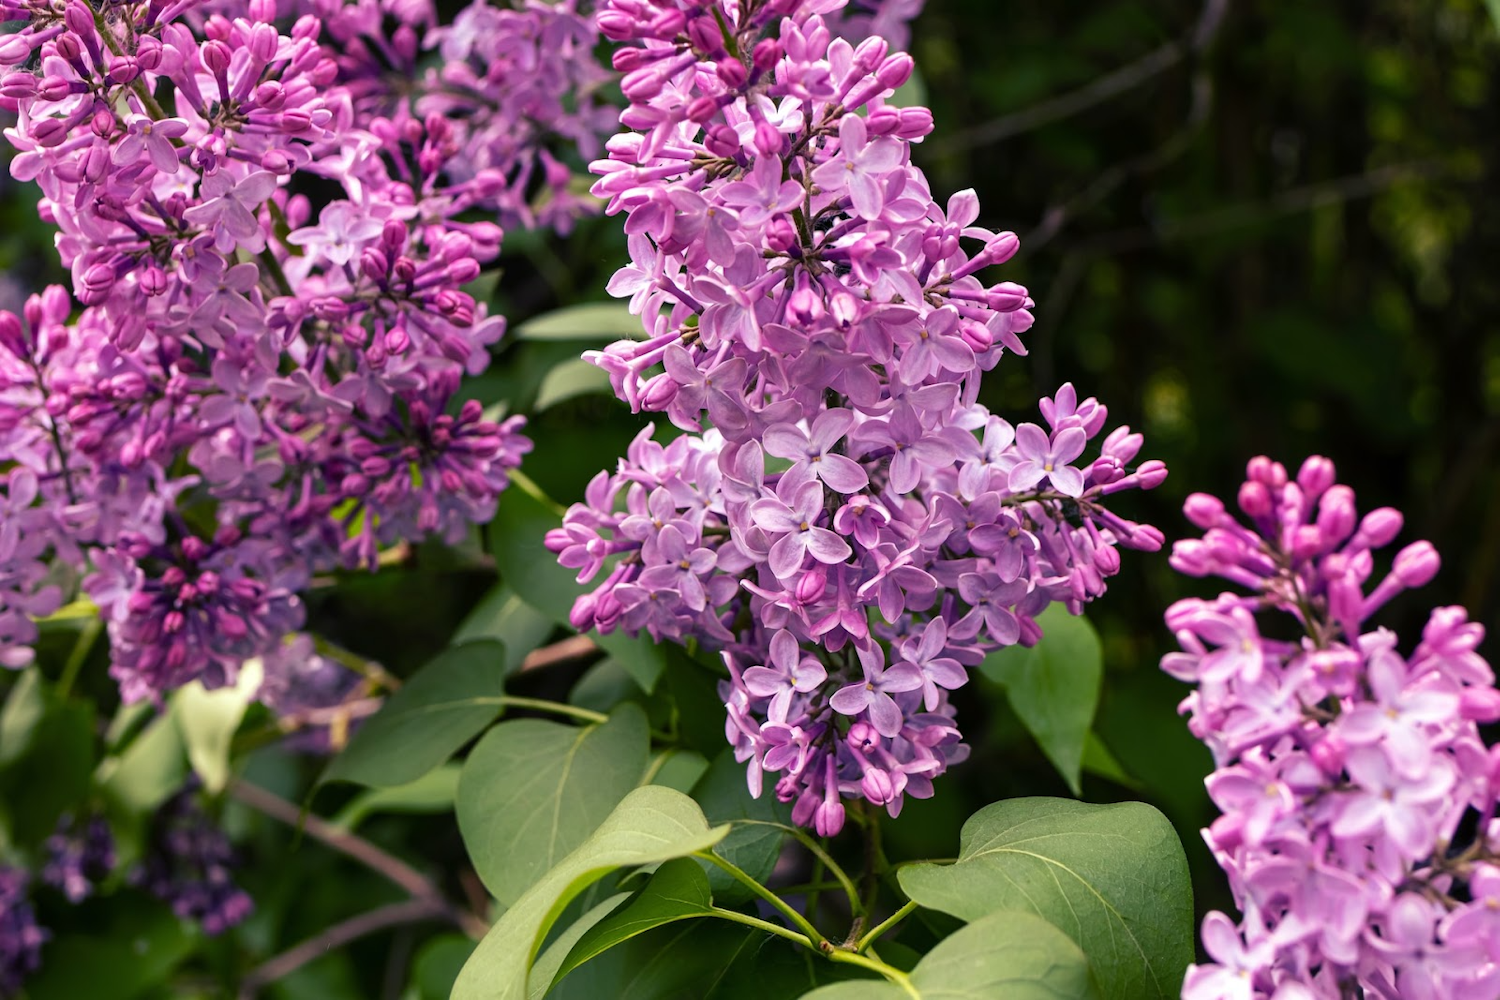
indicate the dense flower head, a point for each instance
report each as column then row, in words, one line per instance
column 271, row 217
column 853, row 531
column 1358, row 799
column 21, row 939
column 80, row 855
column 190, row 864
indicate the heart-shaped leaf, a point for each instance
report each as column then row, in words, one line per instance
column 531, row 791
column 1113, row 878
column 1054, row 687
column 442, row 707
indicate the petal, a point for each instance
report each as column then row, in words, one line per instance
column 826, row 547
column 885, row 715
column 842, row 473
column 851, row 700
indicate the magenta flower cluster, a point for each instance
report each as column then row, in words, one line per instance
column 854, row 531
column 261, row 386
column 1358, row 828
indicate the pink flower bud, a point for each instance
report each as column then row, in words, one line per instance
column 895, row 71
column 263, row 42
column 1480, row 704
column 766, row 54
column 68, row 48
column 14, row 49
column 1380, row 527
column 1416, row 564
column 1255, row 499
column 262, row 11
column 732, row 73
column 1006, row 297
column 13, row 335
column 79, row 20
column 215, row 56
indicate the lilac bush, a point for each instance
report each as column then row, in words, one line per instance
column 1358, row 795
column 854, row 530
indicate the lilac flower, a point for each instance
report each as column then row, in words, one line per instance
column 813, row 451
column 1044, row 458
column 79, row 857
column 872, row 696
column 153, row 139
column 796, row 523
column 342, row 231
column 190, row 865
column 787, row 672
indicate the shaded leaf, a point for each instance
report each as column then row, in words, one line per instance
column 23, row 709
column 652, row 824
column 1054, row 686
column 679, row 890
column 591, row 321
column 442, row 707
column 532, row 791
column 570, row 379
column 680, row 769
column 434, row 792
column 516, row 541
column 544, row 971
column 437, row 964
column 725, row 797
column 504, row 616
column 143, row 943
column 1113, row 878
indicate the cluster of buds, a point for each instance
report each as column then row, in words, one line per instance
column 1345, row 768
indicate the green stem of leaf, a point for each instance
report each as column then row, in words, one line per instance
column 890, row 972
column 756, row 922
column 885, row 925
column 86, row 638
column 808, row 841
column 555, row 707
column 734, row 871
column 368, row 669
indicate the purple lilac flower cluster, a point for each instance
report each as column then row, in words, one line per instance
column 855, row 530
column 888, row 19
column 190, row 865
column 21, row 939
column 79, row 857
column 258, row 386
column 1349, row 775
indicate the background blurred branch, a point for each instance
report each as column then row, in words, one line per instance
column 1110, row 85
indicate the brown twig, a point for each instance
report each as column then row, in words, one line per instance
column 394, row 915
column 1124, row 79
column 572, row 648
column 341, row 840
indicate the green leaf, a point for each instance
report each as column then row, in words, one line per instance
column 1113, row 878
column 208, row 720
column 437, row 965
column 1494, row 8
column 434, row 792
column 591, row 321
column 149, row 771
column 678, row 891
column 53, row 775
column 504, row 616
column 442, row 707
column 725, row 797
column 1098, row 760
column 516, row 541
column 532, row 791
column 651, row 825
column 18, row 719
column 1005, row 956
column 1054, row 686
column 679, row 769
column 682, row 961
column 143, row 943
column 570, row 379
column 544, row 970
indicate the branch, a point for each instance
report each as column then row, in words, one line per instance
column 1110, row 85
column 1291, row 202
column 572, row 648
column 394, row 915
column 341, row 840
